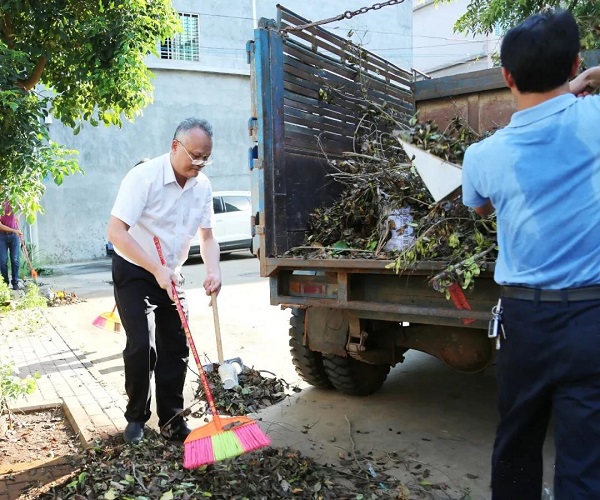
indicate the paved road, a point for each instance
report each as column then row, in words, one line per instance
column 435, row 418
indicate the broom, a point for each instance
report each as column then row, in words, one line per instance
column 108, row 321
column 34, row 273
column 223, row 437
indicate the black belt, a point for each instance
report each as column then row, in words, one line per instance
column 564, row 295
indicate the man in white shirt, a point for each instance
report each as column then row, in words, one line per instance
column 168, row 197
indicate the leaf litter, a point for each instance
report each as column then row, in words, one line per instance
column 153, row 469
column 383, row 198
column 63, row 297
column 253, row 392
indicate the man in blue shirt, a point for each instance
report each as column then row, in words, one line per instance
column 541, row 174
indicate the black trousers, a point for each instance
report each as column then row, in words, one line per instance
column 156, row 343
column 549, row 363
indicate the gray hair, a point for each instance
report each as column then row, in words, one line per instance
column 190, row 124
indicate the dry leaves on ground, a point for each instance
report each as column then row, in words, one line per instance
column 253, row 392
column 34, row 436
column 153, row 469
column 62, row 297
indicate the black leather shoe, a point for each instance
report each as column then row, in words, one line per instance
column 178, row 433
column 133, row 433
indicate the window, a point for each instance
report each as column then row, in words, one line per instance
column 183, row 46
column 236, row 203
column 218, row 205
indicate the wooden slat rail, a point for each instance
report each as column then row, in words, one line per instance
column 317, row 107
column 302, row 142
column 324, row 81
column 465, row 83
column 309, row 134
column 351, row 116
column 360, row 59
column 312, row 72
column 318, row 122
column 329, row 64
column 318, row 37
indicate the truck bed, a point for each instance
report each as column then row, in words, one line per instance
column 372, row 291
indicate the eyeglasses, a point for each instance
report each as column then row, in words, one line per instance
column 199, row 162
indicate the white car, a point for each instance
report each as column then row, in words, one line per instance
column 232, row 223
column 233, row 210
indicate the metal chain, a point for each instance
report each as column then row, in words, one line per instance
column 349, row 14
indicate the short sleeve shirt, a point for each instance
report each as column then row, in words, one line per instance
column 542, row 174
column 152, row 203
column 8, row 217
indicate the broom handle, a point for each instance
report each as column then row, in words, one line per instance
column 213, row 303
column 188, row 334
column 24, row 247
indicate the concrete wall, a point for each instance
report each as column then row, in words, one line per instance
column 437, row 50
column 225, row 26
column 73, row 227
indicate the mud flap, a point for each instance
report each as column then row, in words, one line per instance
column 326, row 330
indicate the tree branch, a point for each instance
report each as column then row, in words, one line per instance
column 35, row 76
column 8, row 32
column 445, row 273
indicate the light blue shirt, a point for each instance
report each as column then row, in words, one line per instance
column 542, row 174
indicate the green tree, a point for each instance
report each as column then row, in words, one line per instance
column 484, row 16
column 82, row 61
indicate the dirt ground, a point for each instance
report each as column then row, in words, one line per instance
column 36, row 436
column 37, row 450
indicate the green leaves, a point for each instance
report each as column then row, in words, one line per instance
column 82, row 61
column 487, row 16
column 12, row 386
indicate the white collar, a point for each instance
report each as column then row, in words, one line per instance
column 169, row 174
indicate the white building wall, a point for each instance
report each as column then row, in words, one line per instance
column 437, row 50
column 217, row 88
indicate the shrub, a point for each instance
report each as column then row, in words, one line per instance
column 32, row 298
column 12, row 386
column 5, row 294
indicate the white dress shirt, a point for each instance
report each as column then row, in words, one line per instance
column 152, row 203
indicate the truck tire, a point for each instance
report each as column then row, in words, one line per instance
column 354, row 377
column 309, row 364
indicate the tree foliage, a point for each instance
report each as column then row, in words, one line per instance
column 81, row 61
column 484, row 16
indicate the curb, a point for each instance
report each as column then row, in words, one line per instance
column 68, row 380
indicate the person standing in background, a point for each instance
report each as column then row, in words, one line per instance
column 10, row 240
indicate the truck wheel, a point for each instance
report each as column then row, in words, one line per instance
column 354, row 377
column 309, row 364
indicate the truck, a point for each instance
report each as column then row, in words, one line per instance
column 352, row 319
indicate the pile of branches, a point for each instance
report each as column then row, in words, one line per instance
column 379, row 180
column 253, row 392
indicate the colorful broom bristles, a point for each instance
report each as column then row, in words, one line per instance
column 223, row 437
column 210, row 443
column 108, row 321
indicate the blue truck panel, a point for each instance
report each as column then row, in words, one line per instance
column 306, row 86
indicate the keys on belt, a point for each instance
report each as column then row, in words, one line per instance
column 496, row 328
